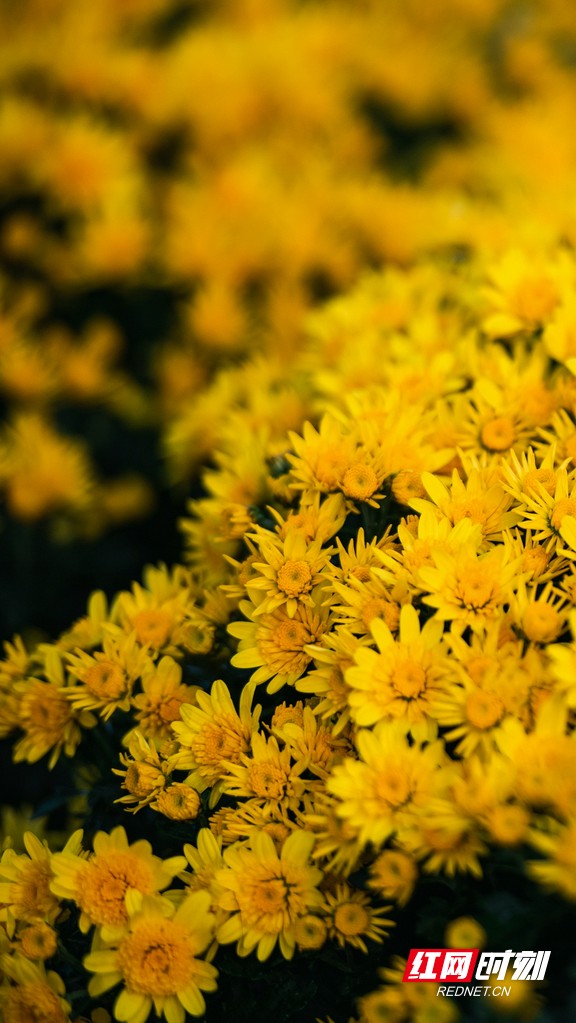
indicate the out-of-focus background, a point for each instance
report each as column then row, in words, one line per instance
column 179, row 183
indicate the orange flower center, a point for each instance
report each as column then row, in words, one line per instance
column 498, row 434
column 534, row 298
column 291, row 636
column 267, row 779
column 106, row 680
column 409, row 679
column 483, row 710
column 310, row 932
column 31, row 893
column 407, row 485
column 216, row 743
column 360, row 481
column 48, row 709
column 178, row 802
column 509, row 824
column 476, row 589
column 152, row 627
column 393, row 787
column 535, row 561
column 565, row 506
column 38, row 941
column 544, row 477
column 294, row 577
column 378, row 607
column 351, row 919
column 104, row 881
column 157, row 958
column 541, row 622
column 142, row 779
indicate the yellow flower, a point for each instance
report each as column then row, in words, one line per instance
column 562, row 660
column 445, row 839
column 178, row 802
column 50, row 724
column 328, row 680
column 524, row 476
column 232, row 824
column 312, row 747
column 291, row 569
column 537, row 564
column 465, row 932
column 548, row 512
column 556, row 870
column 275, row 643
column 157, row 707
column 85, row 161
column 310, row 932
column 399, row 681
column 43, row 472
column 321, row 457
column 25, row 892
column 38, row 941
column 155, row 612
column 394, row 874
column 143, row 771
column 155, row 956
column 204, row 859
column 544, row 760
column 466, row 587
column 473, row 713
column 366, row 601
column 214, row 732
column 379, row 792
column 267, row 892
column 539, row 612
column 523, row 294
column 107, row 676
column 481, row 499
column 419, row 537
column 34, row 994
column 352, row 918
column 559, row 336
column 99, row 883
column 267, row 774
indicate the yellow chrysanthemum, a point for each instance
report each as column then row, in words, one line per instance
column 556, row 869
column 156, row 611
column 34, row 994
column 379, row 791
column 353, row 918
column 468, row 588
column 107, row 676
column 214, row 732
column 25, row 892
column 399, row 681
column 267, row 774
column 157, row 707
column 49, row 722
column 156, row 957
column 275, row 644
column 288, row 573
column 267, row 892
column 143, row 771
column 394, row 874
column 99, row 883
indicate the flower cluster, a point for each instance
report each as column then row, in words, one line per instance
column 349, row 710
